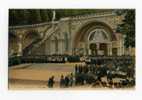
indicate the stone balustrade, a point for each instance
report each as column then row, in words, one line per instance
column 32, row 25
column 93, row 15
column 62, row 19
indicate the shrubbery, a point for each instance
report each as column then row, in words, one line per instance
column 14, row 61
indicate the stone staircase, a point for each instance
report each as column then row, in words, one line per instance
column 28, row 48
column 47, row 33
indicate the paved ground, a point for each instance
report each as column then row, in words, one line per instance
column 40, row 71
column 35, row 76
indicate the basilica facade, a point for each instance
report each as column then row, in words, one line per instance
column 93, row 34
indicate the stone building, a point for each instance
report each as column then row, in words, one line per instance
column 79, row 35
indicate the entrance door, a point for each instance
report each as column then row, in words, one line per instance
column 93, row 49
column 103, row 48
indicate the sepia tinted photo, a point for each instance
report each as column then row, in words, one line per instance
column 71, row 49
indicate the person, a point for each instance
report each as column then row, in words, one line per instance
column 51, row 82
column 66, row 81
column 76, row 69
column 62, row 81
column 98, row 73
column 109, row 73
column 71, row 79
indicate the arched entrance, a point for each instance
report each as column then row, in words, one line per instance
column 101, row 50
column 100, row 39
column 94, row 38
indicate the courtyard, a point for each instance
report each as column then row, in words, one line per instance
column 71, row 48
column 35, row 76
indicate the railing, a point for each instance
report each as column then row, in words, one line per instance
column 28, row 48
column 31, row 46
column 29, row 26
column 74, row 17
column 47, row 33
column 93, row 15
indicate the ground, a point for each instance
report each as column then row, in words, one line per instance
column 35, row 76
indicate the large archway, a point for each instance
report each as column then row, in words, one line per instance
column 94, row 33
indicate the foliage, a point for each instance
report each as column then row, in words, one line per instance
column 33, row 16
column 128, row 27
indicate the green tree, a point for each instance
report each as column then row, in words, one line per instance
column 44, row 15
column 12, row 16
column 34, row 16
column 16, row 16
column 128, row 27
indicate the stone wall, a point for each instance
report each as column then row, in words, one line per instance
column 66, row 34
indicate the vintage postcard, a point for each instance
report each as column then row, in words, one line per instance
column 71, row 49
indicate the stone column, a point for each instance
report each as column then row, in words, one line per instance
column 61, row 46
column 20, row 46
column 86, row 49
column 89, row 52
column 120, row 46
column 123, row 50
column 97, row 47
column 110, row 48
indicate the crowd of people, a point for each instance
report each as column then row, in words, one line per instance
column 65, row 81
column 102, row 74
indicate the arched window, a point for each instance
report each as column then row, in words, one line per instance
column 98, row 35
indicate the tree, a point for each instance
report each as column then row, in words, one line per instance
column 34, row 16
column 12, row 17
column 128, row 27
column 44, row 15
column 16, row 16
